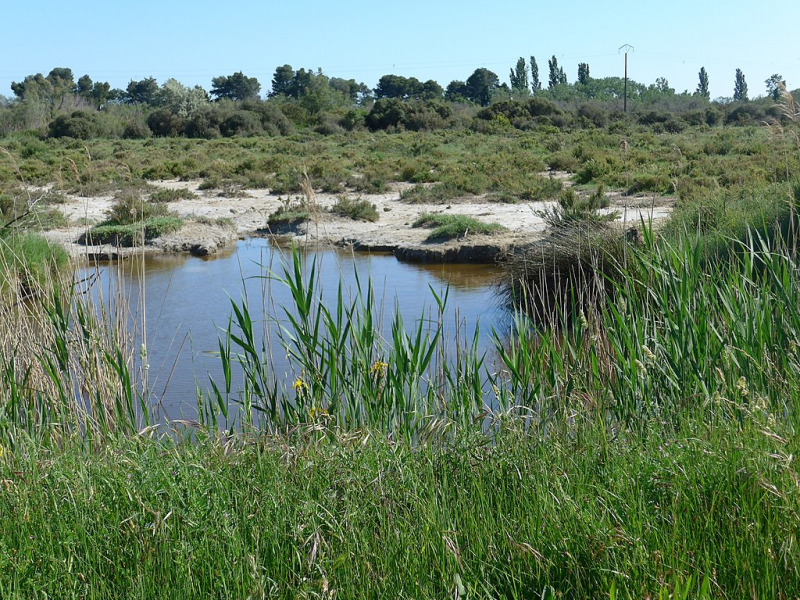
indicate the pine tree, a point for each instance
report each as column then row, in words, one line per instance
column 536, row 85
column 702, row 87
column 740, row 87
column 583, row 73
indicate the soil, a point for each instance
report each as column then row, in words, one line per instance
column 214, row 221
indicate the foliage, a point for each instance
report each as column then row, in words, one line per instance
column 519, row 75
column 143, row 91
column 583, row 73
column 536, row 84
column 81, row 125
column 235, row 87
column 702, row 86
column 134, row 234
column 740, row 87
column 357, row 210
column 775, row 83
column 289, row 214
column 171, row 195
column 480, row 86
column 447, row 227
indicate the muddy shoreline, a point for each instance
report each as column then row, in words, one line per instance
column 215, row 220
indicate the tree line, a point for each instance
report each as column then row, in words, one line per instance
column 234, row 105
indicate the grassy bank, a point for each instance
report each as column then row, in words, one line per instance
column 647, row 449
column 708, row 508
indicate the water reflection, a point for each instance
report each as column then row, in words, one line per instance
column 179, row 304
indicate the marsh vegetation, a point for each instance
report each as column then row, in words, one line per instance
column 635, row 437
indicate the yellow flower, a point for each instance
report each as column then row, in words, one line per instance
column 379, row 368
column 316, row 412
column 2, row 451
column 299, row 385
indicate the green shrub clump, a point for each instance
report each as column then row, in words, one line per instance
column 358, row 210
column 448, row 227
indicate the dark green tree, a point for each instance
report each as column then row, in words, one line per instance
column 480, row 86
column 142, row 91
column 397, row 86
column 431, row 90
column 51, row 90
column 583, row 73
column 519, row 76
column 557, row 75
column 702, row 86
column 101, row 93
column 740, row 87
column 84, row 87
column 536, row 84
column 235, row 87
column 282, row 81
column 456, row 91
column 775, row 84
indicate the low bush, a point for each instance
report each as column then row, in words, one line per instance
column 172, row 194
column 447, row 227
column 358, row 210
column 133, row 234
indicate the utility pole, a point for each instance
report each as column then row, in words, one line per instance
column 627, row 48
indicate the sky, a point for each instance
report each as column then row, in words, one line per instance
column 365, row 39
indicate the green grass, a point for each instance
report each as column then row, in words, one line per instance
column 133, row 234
column 645, row 448
column 448, row 227
column 29, row 260
column 581, row 509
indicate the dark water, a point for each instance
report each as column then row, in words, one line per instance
column 187, row 302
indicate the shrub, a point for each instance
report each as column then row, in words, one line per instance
column 289, row 214
column 573, row 209
column 165, row 124
column 81, row 125
column 447, row 227
column 136, row 130
column 170, row 195
column 132, row 234
column 241, row 123
column 358, row 210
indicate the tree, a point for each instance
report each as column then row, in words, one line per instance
column 740, row 87
column 282, row 81
column 179, row 99
column 235, row 87
column 141, row 92
column 431, row 90
column 536, row 85
column 84, row 87
column 456, row 91
column 397, row 86
column 774, row 86
column 557, row 75
column 583, row 73
column 51, row 90
column 519, row 76
column 552, row 80
column 702, row 86
column 480, row 86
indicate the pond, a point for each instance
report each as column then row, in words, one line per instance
column 180, row 305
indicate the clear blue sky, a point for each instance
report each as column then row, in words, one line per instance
column 195, row 41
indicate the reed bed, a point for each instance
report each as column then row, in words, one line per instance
column 643, row 448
